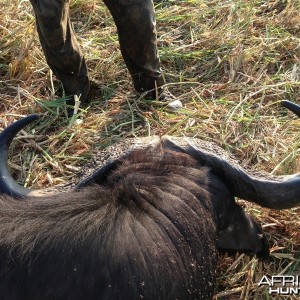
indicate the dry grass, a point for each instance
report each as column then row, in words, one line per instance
column 230, row 62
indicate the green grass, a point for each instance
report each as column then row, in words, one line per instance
column 229, row 62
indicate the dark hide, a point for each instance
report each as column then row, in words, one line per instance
column 146, row 225
column 147, row 230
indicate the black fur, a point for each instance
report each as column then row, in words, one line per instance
column 148, row 230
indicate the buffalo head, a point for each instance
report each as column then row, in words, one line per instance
column 146, row 225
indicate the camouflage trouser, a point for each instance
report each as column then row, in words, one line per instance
column 135, row 21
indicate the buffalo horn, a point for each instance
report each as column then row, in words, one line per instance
column 291, row 106
column 276, row 193
column 8, row 185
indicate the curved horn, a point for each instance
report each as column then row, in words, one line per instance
column 291, row 106
column 7, row 183
column 100, row 175
column 273, row 193
column 267, row 193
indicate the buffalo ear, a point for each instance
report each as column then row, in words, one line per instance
column 243, row 234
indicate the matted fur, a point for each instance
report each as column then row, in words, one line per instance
column 148, row 231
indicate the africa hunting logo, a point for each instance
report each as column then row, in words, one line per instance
column 281, row 284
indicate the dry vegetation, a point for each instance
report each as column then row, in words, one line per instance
column 229, row 61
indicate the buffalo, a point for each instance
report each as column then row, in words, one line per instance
column 146, row 225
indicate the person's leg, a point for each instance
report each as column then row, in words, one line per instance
column 60, row 47
column 136, row 24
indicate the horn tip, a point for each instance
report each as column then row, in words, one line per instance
column 34, row 117
column 286, row 103
column 291, row 106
